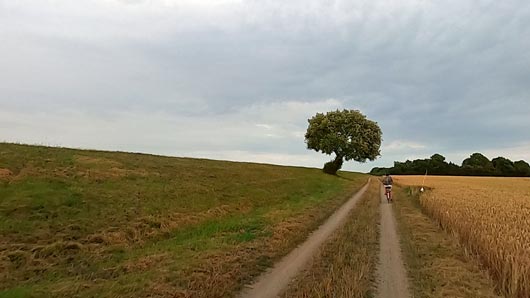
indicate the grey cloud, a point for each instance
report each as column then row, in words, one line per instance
column 452, row 75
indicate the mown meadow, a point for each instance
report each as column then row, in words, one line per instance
column 80, row 223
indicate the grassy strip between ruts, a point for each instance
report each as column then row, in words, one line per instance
column 345, row 265
column 437, row 265
column 77, row 223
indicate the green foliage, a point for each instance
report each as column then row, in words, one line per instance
column 478, row 164
column 476, row 160
column 522, row 168
column 377, row 171
column 503, row 166
column 438, row 158
column 475, row 165
column 436, row 165
column 348, row 134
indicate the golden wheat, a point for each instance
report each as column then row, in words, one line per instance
column 491, row 216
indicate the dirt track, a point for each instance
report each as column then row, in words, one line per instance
column 392, row 277
column 274, row 281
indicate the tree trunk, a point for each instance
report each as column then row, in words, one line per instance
column 338, row 162
column 333, row 166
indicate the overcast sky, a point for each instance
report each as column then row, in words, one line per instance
column 238, row 80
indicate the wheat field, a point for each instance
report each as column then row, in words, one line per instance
column 490, row 216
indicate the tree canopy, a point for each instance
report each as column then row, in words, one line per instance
column 348, row 134
column 475, row 165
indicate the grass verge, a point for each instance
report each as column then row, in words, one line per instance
column 437, row 265
column 345, row 265
column 80, row 223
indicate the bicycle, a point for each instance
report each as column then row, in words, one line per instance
column 388, row 193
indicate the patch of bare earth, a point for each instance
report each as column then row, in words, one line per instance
column 5, row 173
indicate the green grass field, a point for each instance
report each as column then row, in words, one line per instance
column 76, row 223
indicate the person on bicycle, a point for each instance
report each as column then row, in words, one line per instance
column 387, row 182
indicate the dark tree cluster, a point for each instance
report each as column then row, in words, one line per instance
column 475, row 165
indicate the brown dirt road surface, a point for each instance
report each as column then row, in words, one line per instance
column 391, row 274
column 272, row 282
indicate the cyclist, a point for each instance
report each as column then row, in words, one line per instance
column 387, row 182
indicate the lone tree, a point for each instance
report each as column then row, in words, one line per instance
column 347, row 134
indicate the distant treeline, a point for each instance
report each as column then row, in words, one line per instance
column 475, row 165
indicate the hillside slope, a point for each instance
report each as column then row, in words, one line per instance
column 106, row 224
